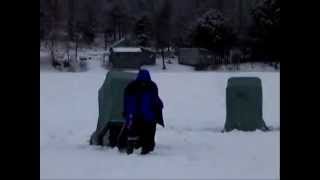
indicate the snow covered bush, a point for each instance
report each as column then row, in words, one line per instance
column 211, row 31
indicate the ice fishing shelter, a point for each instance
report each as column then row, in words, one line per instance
column 110, row 98
column 244, row 104
column 194, row 56
column 131, row 57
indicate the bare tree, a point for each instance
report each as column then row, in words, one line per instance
column 107, row 34
column 163, row 29
column 118, row 17
column 71, row 19
column 53, row 35
column 87, row 24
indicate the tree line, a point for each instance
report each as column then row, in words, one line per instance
column 160, row 24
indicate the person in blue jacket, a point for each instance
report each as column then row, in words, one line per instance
column 142, row 111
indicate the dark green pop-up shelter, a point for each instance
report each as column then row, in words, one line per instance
column 110, row 98
column 244, row 104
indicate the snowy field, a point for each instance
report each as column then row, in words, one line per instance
column 190, row 147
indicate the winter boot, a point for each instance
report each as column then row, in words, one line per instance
column 132, row 141
column 129, row 149
column 145, row 151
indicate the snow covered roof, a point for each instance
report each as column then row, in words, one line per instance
column 118, row 42
column 126, row 49
column 148, row 49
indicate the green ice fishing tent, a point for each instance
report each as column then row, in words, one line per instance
column 244, row 104
column 110, row 98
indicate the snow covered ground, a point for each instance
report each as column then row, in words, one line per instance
column 190, row 147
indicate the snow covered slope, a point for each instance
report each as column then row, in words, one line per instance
column 191, row 145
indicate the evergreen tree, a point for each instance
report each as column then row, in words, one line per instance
column 143, row 31
column 212, row 32
column 42, row 25
column 266, row 29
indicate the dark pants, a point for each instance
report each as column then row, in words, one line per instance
column 148, row 131
column 141, row 134
column 113, row 134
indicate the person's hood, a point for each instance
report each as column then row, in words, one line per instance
column 144, row 75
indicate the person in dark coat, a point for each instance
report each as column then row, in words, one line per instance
column 142, row 111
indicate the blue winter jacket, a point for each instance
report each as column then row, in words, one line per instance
column 141, row 99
